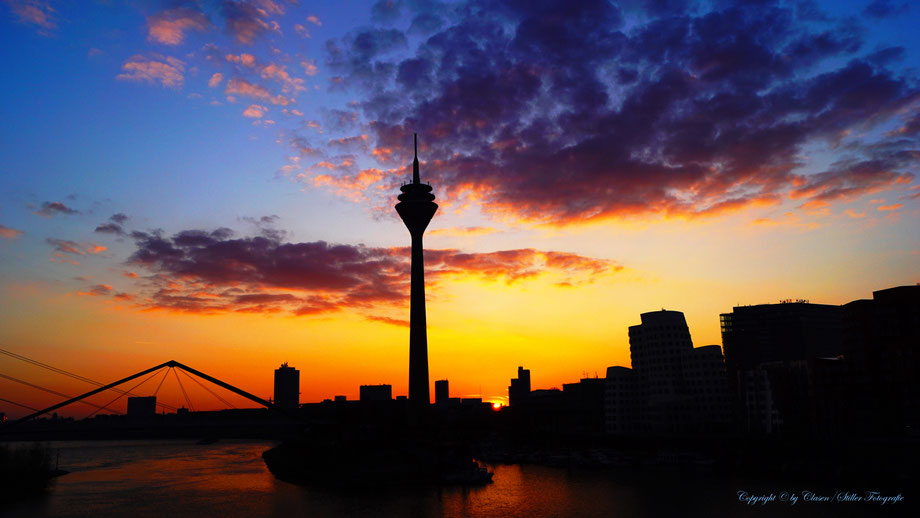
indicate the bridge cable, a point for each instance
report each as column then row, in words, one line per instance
column 121, row 395
column 187, row 400
column 69, row 374
column 18, row 404
column 224, row 401
column 165, row 375
column 56, row 393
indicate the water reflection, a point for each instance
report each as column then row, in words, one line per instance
column 229, row 480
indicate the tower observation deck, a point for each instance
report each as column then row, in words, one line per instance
column 416, row 207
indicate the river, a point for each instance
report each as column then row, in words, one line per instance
column 228, row 479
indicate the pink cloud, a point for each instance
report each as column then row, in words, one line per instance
column 35, row 12
column 279, row 73
column 9, row 233
column 167, row 71
column 242, row 59
column 255, row 111
column 888, row 208
column 169, row 27
column 853, row 214
column 215, row 80
column 352, row 186
column 309, row 67
column 314, row 20
column 239, row 86
column 270, row 6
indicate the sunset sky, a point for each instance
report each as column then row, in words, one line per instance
column 213, row 181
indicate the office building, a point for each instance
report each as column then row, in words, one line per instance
column 376, row 393
column 441, row 392
column 287, row 387
column 142, row 406
column 519, row 390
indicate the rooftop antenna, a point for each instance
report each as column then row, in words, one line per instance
column 415, row 178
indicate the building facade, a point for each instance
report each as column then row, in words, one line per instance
column 672, row 387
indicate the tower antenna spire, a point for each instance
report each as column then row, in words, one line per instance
column 415, row 177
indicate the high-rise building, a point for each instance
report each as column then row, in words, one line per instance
column 584, row 405
column 142, row 406
column 441, row 392
column 673, row 387
column 767, row 352
column 882, row 347
column 655, row 347
column 788, row 331
column 287, row 387
column 519, row 390
column 704, row 378
column 376, row 393
column 416, row 207
column 621, row 401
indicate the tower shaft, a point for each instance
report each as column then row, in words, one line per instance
column 418, row 325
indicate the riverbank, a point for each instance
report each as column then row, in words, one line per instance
column 26, row 470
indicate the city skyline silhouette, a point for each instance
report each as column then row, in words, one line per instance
column 242, row 208
column 642, row 236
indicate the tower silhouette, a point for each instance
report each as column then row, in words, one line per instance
column 416, row 207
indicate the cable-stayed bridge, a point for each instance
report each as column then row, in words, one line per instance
column 143, row 376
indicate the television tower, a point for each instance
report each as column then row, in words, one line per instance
column 416, row 207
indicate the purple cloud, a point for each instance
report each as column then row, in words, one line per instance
column 555, row 112
column 51, row 208
column 210, row 272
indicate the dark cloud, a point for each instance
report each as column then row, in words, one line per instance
column 850, row 179
column 65, row 246
column 341, row 120
column 386, row 11
column 246, row 22
column 303, row 146
column 110, row 228
column 199, row 271
column 119, row 218
column 425, row 24
column 555, row 112
column 51, row 208
column 360, row 55
column 350, row 144
column 885, row 8
column 67, row 251
column 266, row 227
